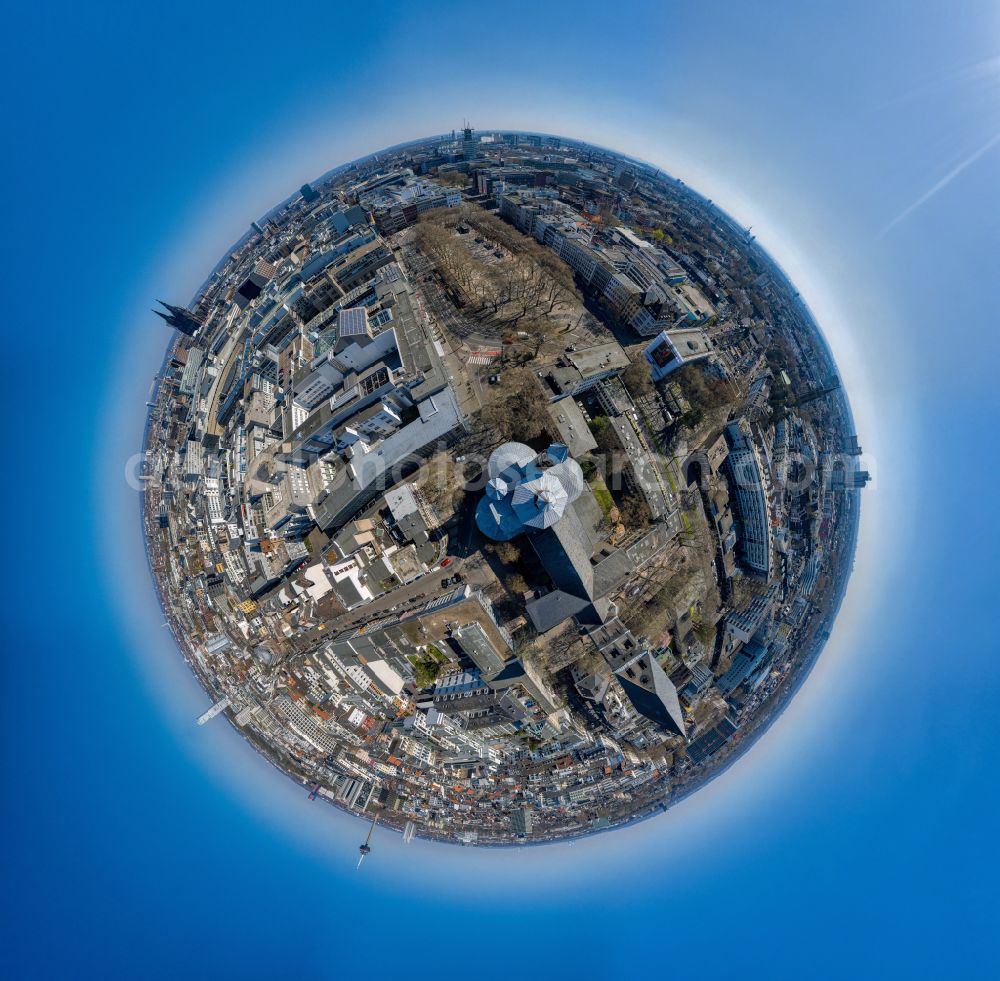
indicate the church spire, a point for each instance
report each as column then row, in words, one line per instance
column 179, row 318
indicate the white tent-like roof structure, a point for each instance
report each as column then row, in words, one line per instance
column 509, row 455
column 541, row 502
column 527, row 490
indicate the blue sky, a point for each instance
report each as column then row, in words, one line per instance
column 855, row 837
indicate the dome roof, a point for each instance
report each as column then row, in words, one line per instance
column 508, row 455
column 497, row 521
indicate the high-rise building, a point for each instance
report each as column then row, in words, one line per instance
column 844, row 480
column 469, row 143
column 217, row 709
column 309, row 193
column 521, row 820
column 408, row 832
column 751, row 490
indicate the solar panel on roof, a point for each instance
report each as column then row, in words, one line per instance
column 353, row 322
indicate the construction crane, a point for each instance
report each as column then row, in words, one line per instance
column 366, row 848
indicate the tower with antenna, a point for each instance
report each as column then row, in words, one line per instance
column 366, row 848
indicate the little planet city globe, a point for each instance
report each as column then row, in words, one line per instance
column 499, row 489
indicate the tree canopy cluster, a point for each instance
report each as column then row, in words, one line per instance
column 529, row 284
column 517, row 410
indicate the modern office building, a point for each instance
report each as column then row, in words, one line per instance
column 744, row 664
column 844, row 480
column 470, row 144
column 751, row 489
column 521, row 822
column 672, row 349
column 640, row 282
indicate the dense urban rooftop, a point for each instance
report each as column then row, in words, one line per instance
column 500, row 488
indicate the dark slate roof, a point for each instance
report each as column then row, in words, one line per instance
column 590, row 514
column 348, row 592
column 564, row 550
column 426, row 551
column 553, row 608
column 610, row 571
column 512, row 673
column 652, row 693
